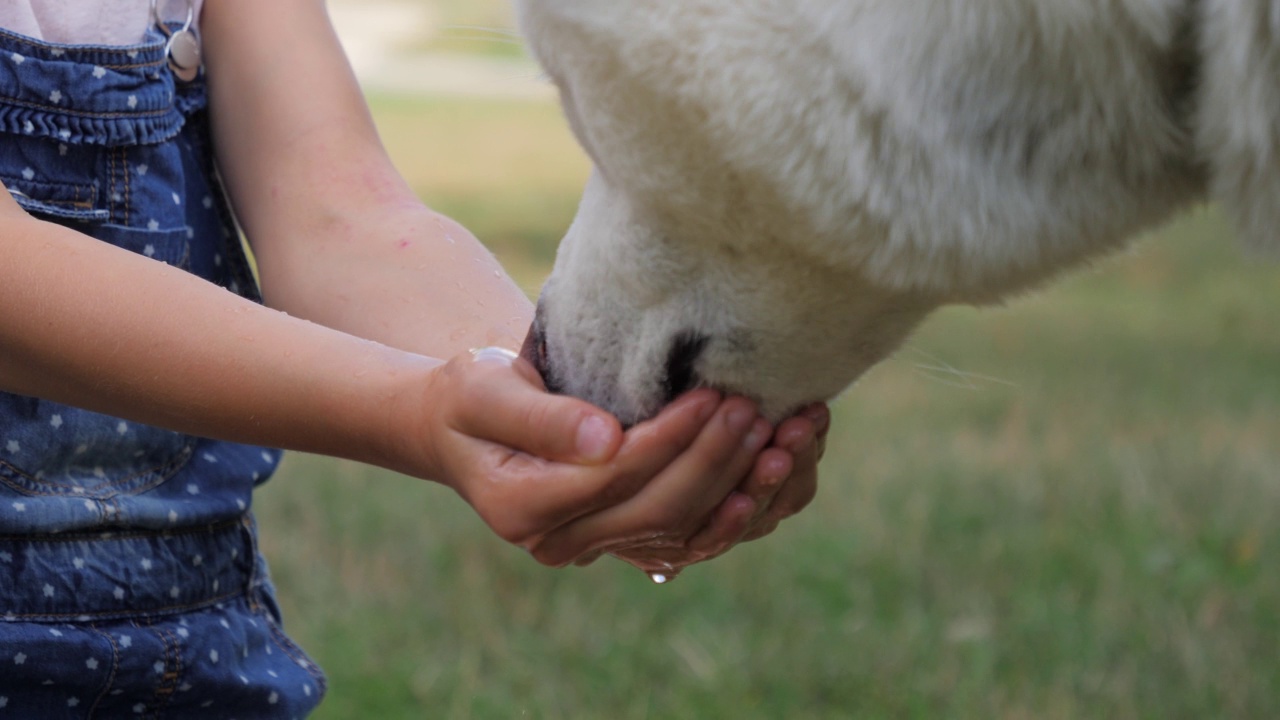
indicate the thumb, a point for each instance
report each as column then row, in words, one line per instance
column 503, row 401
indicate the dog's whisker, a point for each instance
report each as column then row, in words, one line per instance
column 482, row 28
column 966, row 375
column 946, row 380
column 482, row 38
column 959, row 379
column 943, row 367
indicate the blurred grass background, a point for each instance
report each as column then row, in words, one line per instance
column 1062, row 509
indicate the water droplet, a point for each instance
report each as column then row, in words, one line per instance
column 658, row 578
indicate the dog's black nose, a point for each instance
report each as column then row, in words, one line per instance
column 680, row 376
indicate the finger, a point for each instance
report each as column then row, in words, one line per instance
column 683, row 493
column 799, row 489
column 795, row 433
column 776, row 464
column 761, row 529
column 588, row 559
column 728, row 525
column 820, row 414
column 523, row 497
column 783, row 483
column 767, row 477
column 502, row 400
column 649, row 448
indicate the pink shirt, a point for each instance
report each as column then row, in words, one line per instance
column 88, row 22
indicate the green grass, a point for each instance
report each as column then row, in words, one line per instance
column 1062, row 509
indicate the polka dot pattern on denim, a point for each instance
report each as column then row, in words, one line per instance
column 130, row 582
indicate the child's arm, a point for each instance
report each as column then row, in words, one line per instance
column 92, row 325
column 339, row 236
column 89, row 324
column 342, row 240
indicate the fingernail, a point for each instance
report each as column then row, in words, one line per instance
column 776, row 472
column 493, row 354
column 595, row 438
column 740, row 418
column 707, row 409
column 758, row 436
column 804, row 442
column 821, row 419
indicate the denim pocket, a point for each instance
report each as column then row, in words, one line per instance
column 51, row 449
column 64, row 201
column 172, row 247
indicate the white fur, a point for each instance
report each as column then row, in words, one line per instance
column 802, row 181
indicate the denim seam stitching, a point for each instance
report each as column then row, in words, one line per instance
column 45, row 185
column 163, row 609
column 173, row 658
column 295, row 653
column 111, row 677
column 64, row 204
column 184, row 262
column 89, row 197
column 55, row 110
column 211, row 529
column 104, row 49
column 124, row 167
column 111, row 158
column 165, row 471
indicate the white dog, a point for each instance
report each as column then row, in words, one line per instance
column 785, row 188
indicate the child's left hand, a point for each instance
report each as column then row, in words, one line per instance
column 782, row 482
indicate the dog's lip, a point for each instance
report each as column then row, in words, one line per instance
column 534, row 348
column 534, row 351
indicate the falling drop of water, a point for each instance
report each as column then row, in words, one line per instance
column 658, row 578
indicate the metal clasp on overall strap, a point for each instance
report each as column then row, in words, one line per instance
column 183, row 48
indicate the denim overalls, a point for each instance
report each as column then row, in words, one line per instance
column 130, row 581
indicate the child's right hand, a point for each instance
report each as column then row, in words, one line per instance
column 558, row 476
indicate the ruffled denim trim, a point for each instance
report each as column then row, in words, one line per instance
column 87, row 95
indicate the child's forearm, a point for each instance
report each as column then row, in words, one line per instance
column 91, row 325
column 339, row 237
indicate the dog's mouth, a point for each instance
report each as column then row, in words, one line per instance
column 679, row 372
column 534, row 350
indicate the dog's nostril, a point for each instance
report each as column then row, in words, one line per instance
column 680, row 376
column 534, row 349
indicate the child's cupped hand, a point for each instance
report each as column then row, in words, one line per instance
column 560, row 478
